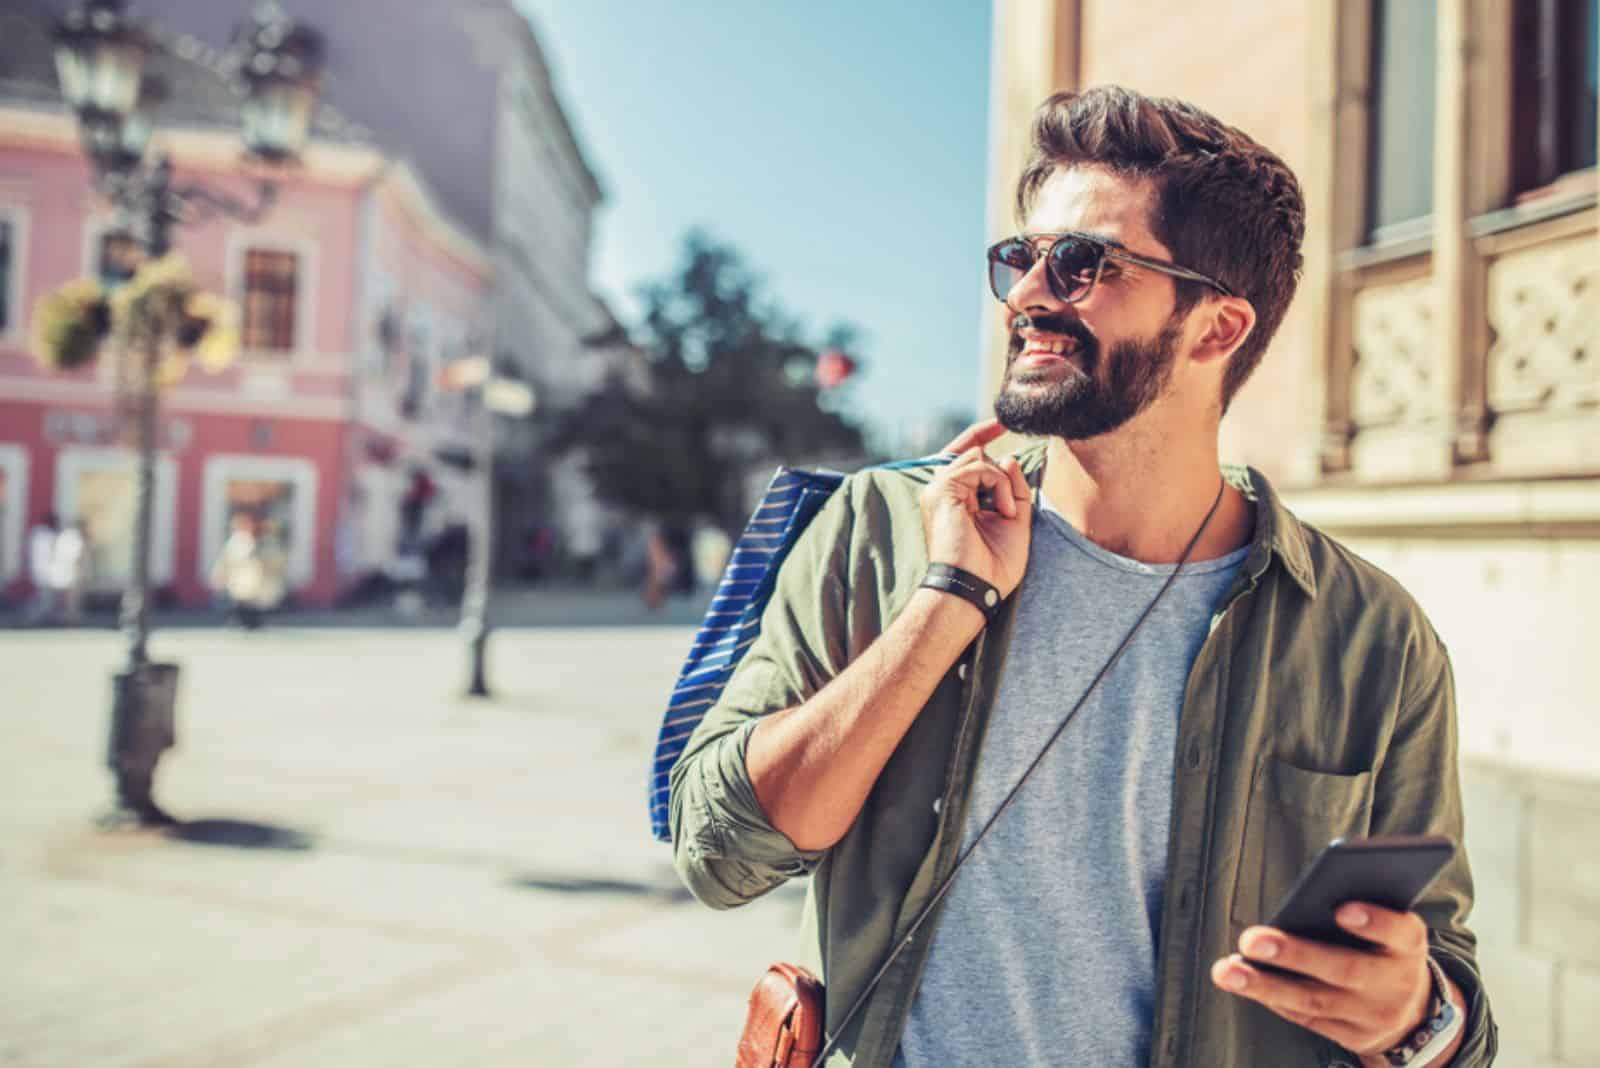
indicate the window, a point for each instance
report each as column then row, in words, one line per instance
column 1553, row 90
column 270, row 284
column 7, row 241
column 278, row 494
column 117, row 257
column 13, row 498
column 99, row 487
column 1400, row 153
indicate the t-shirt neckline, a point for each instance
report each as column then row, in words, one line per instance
column 1075, row 537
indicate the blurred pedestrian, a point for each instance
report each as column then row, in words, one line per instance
column 69, row 568
column 709, row 549
column 240, row 573
column 41, row 561
column 413, row 506
column 660, row 567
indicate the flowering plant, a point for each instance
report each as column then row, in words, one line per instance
column 160, row 308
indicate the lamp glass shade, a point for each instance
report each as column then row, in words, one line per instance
column 276, row 116
column 115, row 68
column 72, row 70
column 100, row 75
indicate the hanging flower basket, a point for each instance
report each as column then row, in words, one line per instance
column 160, row 302
column 70, row 324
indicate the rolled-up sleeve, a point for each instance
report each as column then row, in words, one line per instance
column 725, row 848
column 1419, row 792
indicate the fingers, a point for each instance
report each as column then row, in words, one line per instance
column 1288, row 996
column 1019, row 481
column 1003, row 481
column 1331, row 1013
column 1347, row 969
column 1398, row 932
column 976, row 435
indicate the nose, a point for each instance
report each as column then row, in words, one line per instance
column 1032, row 293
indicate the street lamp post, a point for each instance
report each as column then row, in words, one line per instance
column 100, row 54
column 494, row 396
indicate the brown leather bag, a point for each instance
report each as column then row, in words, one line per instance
column 783, row 1028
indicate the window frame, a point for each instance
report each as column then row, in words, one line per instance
column 14, row 330
column 1408, row 230
column 14, row 461
column 75, row 460
column 298, row 471
column 1553, row 123
column 242, row 241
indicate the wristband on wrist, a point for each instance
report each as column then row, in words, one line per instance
column 965, row 585
column 1436, row 1032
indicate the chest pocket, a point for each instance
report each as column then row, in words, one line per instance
column 1292, row 814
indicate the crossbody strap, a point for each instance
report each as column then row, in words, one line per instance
column 944, row 887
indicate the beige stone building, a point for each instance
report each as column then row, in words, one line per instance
column 1433, row 398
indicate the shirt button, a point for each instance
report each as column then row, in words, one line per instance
column 961, row 671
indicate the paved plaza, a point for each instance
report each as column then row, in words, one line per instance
column 372, row 870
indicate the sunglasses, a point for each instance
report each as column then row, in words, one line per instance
column 1073, row 264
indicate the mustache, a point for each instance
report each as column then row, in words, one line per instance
column 1052, row 324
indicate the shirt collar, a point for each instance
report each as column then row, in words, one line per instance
column 1277, row 531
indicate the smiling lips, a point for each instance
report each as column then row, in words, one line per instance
column 1040, row 349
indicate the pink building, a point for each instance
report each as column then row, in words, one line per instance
column 354, row 290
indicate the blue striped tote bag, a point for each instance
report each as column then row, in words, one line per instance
column 733, row 620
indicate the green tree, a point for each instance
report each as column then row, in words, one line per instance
column 730, row 391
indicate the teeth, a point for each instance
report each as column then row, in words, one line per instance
column 1059, row 347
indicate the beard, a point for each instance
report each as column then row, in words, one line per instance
column 1085, row 404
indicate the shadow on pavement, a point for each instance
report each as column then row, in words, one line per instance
column 242, row 834
column 625, row 887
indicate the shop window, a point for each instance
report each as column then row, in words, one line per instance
column 1400, row 151
column 271, row 281
column 107, row 500
column 1554, row 45
column 268, row 505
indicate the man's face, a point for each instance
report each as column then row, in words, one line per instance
column 1077, row 371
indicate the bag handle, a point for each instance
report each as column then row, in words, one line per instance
column 944, row 887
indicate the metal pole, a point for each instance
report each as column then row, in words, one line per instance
column 135, row 618
column 143, row 693
column 480, row 556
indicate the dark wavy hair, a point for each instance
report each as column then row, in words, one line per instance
column 1224, row 205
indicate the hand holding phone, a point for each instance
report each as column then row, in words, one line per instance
column 1392, row 871
column 1369, row 994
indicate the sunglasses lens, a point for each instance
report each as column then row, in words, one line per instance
column 1073, row 265
column 1008, row 262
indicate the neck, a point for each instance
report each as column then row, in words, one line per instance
column 1144, row 498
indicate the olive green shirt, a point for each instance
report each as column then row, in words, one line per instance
column 1321, row 704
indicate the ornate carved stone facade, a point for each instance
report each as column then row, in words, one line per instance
column 1397, row 372
column 1443, row 381
column 1542, row 309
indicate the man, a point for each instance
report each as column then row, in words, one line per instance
column 69, row 569
column 41, row 565
column 1281, row 693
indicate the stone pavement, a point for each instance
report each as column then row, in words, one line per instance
column 373, row 870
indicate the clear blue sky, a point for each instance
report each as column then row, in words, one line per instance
column 841, row 146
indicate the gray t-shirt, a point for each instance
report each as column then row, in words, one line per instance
column 1045, row 952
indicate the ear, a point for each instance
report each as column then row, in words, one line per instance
column 1225, row 323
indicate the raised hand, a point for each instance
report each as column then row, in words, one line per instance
column 991, row 544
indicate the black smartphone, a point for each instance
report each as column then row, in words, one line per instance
column 1391, row 871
